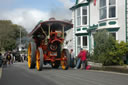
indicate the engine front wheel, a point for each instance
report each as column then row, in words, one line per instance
column 66, row 59
column 31, row 55
column 39, row 59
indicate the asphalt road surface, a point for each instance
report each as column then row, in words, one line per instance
column 19, row 74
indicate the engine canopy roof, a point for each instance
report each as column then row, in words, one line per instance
column 54, row 25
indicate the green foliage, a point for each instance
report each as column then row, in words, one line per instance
column 9, row 33
column 118, row 52
column 107, row 50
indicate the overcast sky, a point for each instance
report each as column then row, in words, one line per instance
column 28, row 13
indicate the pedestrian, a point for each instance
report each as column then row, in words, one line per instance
column 83, row 58
column 22, row 57
column 12, row 58
column 78, row 59
column 8, row 58
column 71, row 58
column 1, row 60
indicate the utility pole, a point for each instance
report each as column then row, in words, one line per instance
column 20, row 35
column 20, row 40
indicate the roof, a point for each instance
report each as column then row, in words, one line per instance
column 77, row 5
column 54, row 23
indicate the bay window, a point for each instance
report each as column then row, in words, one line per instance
column 107, row 9
column 78, row 16
column 82, row 15
column 112, row 8
column 103, row 9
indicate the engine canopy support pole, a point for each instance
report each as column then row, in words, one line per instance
column 49, row 27
column 63, row 31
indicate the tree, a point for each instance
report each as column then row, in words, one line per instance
column 9, row 33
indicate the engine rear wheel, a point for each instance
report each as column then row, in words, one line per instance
column 39, row 59
column 66, row 62
column 31, row 55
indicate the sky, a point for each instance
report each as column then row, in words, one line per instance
column 28, row 13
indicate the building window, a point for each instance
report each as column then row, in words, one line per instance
column 78, row 16
column 85, row 40
column 113, row 34
column 84, row 15
column 103, row 9
column 78, row 44
column 112, row 8
column 78, row 41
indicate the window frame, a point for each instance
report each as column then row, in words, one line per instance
column 81, row 16
column 84, row 15
column 110, row 6
column 102, row 8
column 78, row 16
column 83, row 41
column 79, row 44
column 107, row 10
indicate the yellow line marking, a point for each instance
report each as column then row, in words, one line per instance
column 0, row 72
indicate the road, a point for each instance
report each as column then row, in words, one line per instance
column 19, row 74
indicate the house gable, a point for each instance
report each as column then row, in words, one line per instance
column 81, row 1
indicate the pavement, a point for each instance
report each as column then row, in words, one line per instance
column 19, row 74
column 99, row 66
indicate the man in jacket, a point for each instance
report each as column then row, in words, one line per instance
column 81, row 58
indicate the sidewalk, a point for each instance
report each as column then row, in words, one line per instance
column 0, row 72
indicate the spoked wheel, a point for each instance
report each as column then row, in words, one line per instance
column 39, row 59
column 65, row 63
column 31, row 55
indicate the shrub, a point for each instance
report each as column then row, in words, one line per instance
column 107, row 50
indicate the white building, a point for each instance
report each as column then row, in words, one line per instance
column 91, row 15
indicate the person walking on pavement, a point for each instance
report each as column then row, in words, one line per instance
column 71, row 58
column 1, row 60
column 78, row 60
column 81, row 58
column 8, row 58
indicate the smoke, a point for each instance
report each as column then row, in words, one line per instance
column 62, row 12
column 27, row 18
column 67, row 3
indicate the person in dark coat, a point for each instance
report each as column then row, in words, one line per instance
column 8, row 58
column 71, row 58
column 1, row 60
